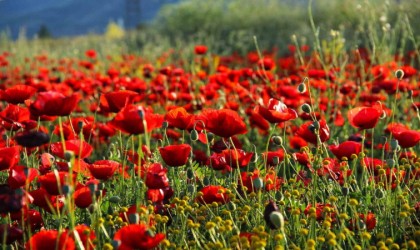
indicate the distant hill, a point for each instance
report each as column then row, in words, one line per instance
column 71, row 17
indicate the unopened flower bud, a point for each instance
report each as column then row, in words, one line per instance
column 277, row 219
column 115, row 199
column 165, row 124
column 277, row 140
column 306, row 108
column 394, row 144
column 68, row 155
column 399, row 74
column 194, row 135
column 134, row 218
column 258, row 183
column 302, row 88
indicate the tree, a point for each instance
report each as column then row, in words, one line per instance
column 43, row 32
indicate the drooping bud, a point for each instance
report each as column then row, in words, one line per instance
column 277, row 140
column 194, row 135
column 399, row 74
column 306, row 108
column 302, row 88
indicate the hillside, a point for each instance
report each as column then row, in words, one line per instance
column 69, row 17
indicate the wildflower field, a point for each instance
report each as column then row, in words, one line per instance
column 310, row 146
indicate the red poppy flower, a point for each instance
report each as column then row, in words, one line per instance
column 307, row 131
column 175, row 155
column 346, row 149
column 319, row 210
column 212, row 194
column 83, row 197
column 9, row 157
column 103, row 169
column 156, row 177
column 129, row 121
column 256, row 120
column 54, row 181
column 237, row 156
column 364, row 117
column 137, row 236
column 224, row 122
column 247, row 180
column 200, row 49
column 116, row 100
column 271, row 154
column 369, row 219
column 179, row 118
column 91, row 53
column 217, row 161
column 20, row 175
column 406, row 138
column 53, row 104
column 272, row 182
column 276, row 112
column 80, row 149
column 50, row 239
column 86, row 235
column 17, row 94
column 13, row 117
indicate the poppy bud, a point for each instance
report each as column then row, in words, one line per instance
column 316, row 125
column 345, row 191
column 302, row 88
column 165, row 124
column 277, row 219
column 116, row 244
column 210, row 136
column 391, row 162
column 276, row 160
column 258, row 183
column 93, row 187
column 399, row 74
column 269, row 209
column 206, row 181
column 379, row 193
column 190, row 188
column 410, row 93
column 394, row 144
column 134, row 218
column 277, row 140
column 80, row 125
column 66, row 189
column 194, row 135
column 68, row 155
column 190, row 173
column 306, row 108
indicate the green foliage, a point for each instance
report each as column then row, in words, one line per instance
column 44, row 32
column 273, row 22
